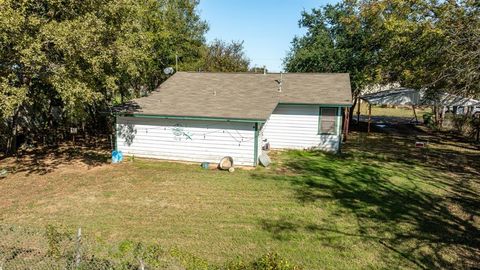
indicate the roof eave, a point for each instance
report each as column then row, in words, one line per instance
column 184, row 117
column 319, row 104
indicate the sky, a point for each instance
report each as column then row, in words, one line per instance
column 267, row 27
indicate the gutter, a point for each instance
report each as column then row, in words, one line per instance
column 155, row 116
column 319, row 104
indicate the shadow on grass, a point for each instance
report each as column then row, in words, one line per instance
column 425, row 200
column 46, row 160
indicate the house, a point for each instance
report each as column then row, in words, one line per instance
column 206, row 116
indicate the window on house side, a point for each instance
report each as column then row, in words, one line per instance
column 327, row 123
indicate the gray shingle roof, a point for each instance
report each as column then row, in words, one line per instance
column 241, row 95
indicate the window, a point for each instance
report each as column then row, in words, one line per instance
column 327, row 123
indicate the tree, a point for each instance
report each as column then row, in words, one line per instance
column 336, row 41
column 225, row 57
column 77, row 57
column 258, row 69
column 419, row 43
column 460, row 72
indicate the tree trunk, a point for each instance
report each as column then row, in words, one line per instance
column 346, row 124
column 369, row 117
column 415, row 113
column 12, row 140
column 355, row 95
column 352, row 110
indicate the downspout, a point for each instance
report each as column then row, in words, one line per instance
column 255, row 146
column 114, row 136
column 339, row 128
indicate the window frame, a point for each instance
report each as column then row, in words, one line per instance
column 335, row 132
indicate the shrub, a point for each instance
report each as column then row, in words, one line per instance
column 269, row 261
column 191, row 262
column 427, row 118
column 65, row 251
column 55, row 241
column 461, row 124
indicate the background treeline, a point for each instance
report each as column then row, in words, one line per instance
column 66, row 63
column 423, row 44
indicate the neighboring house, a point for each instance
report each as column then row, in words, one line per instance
column 206, row 116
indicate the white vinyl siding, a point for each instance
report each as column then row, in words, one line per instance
column 186, row 140
column 297, row 127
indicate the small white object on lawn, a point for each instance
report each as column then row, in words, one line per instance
column 264, row 159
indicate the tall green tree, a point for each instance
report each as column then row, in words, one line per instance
column 460, row 51
column 337, row 40
column 63, row 62
column 225, row 57
column 420, row 43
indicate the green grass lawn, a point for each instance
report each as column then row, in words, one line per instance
column 381, row 204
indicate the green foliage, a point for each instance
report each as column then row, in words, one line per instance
column 66, row 63
column 189, row 261
column 258, row 69
column 156, row 257
column 11, row 97
column 55, row 240
column 420, row 43
column 335, row 42
column 131, row 253
column 77, row 57
column 428, row 118
column 225, row 57
column 273, row 261
column 269, row 261
column 460, row 50
column 462, row 124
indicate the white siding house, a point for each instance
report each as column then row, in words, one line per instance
column 203, row 117
column 186, row 140
column 297, row 127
